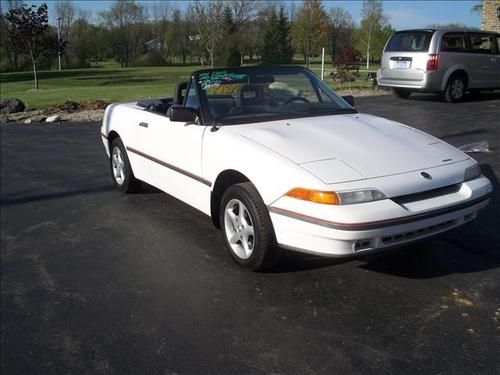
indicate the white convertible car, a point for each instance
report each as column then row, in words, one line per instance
column 279, row 161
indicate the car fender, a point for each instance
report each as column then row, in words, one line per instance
column 119, row 118
column 452, row 69
column 272, row 174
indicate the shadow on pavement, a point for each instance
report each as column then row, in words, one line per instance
column 6, row 202
column 463, row 134
column 469, row 97
column 432, row 258
column 293, row 261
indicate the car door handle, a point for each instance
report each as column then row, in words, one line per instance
column 144, row 124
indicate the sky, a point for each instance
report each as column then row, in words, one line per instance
column 403, row 14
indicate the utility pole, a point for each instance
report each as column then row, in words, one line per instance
column 322, row 63
column 59, row 41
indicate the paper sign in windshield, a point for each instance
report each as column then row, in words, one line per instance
column 208, row 79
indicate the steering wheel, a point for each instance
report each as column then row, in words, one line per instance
column 294, row 98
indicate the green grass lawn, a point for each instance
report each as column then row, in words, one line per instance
column 109, row 82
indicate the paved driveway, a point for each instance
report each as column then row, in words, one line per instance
column 102, row 283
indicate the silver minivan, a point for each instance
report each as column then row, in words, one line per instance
column 449, row 62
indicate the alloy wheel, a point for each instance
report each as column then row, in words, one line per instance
column 239, row 229
column 457, row 88
column 118, row 166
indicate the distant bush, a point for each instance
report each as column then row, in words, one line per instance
column 347, row 63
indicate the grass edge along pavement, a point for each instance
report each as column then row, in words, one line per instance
column 111, row 83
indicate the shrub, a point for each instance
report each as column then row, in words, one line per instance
column 347, row 62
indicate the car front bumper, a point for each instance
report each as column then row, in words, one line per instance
column 301, row 227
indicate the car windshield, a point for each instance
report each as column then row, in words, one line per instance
column 255, row 94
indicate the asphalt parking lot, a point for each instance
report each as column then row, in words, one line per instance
column 96, row 282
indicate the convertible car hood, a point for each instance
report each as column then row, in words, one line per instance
column 356, row 145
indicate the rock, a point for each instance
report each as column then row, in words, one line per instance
column 11, row 105
column 27, row 121
column 38, row 118
column 53, row 118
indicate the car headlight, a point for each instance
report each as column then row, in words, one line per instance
column 337, row 198
column 472, row 172
column 360, row 196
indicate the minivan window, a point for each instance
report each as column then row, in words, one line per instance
column 481, row 43
column 409, row 41
column 453, row 42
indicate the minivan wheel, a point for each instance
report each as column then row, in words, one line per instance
column 401, row 93
column 247, row 228
column 455, row 89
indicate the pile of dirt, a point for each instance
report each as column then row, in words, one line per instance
column 69, row 106
column 69, row 111
column 89, row 105
column 94, row 105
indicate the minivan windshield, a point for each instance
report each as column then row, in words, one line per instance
column 409, row 41
column 256, row 94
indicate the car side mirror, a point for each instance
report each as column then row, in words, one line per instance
column 349, row 99
column 179, row 113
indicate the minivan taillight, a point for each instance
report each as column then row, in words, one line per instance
column 433, row 62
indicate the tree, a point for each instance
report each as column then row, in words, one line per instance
column 379, row 39
column 243, row 10
column 311, row 28
column 65, row 14
column 208, row 20
column 277, row 46
column 84, row 45
column 477, row 8
column 12, row 48
column 373, row 20
column 161, row 13
column 174, row 41
column 179, row 34
column 124, row 21
column 340, row 31
column 28, row 27
column 191, row 41
column 451, row 25
column 245, row 37
column 230, row 55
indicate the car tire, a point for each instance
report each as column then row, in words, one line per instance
column 455, row 89
column 121, row 171
column 401, row 93
column 247, row 228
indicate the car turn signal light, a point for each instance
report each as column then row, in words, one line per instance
column 326, row 197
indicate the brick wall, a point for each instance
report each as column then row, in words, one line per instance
column 490, row 15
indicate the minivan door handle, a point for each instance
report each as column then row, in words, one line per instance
column 144, row 124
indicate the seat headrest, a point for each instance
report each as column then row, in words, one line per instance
column 250, row 95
